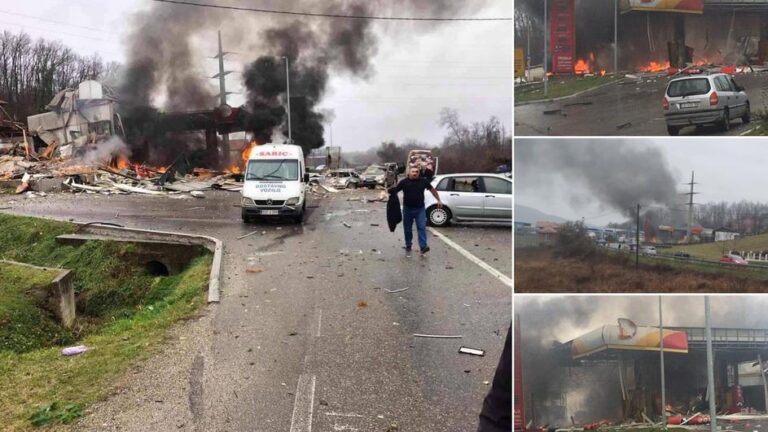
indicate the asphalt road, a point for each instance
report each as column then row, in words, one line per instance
column 631, row 107
column 309, row 338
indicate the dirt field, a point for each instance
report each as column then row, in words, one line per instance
column 537, row 271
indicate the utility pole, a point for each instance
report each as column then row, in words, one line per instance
column 661, row 359
column 546, row 42
column 288, row 92
column 710, row 369
column 616, row 38
column 223, row 96
column 637, row 239
column 690, row 207
column 765, row 384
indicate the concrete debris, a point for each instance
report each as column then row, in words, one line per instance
column 397, row 290
column 347, row 225
column 471, row 351
column 197, row 194
column 437, row 336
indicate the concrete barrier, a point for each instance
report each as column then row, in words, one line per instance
column 58, row 296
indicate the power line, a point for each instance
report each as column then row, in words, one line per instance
column 311, row 14
column 53, row 21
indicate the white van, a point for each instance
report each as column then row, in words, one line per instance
column 275, row 183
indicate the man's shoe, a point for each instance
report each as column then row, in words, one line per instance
column 424, row 250
column 407, row 248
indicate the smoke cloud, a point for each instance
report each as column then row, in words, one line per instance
column 617, row 174
column 165, row 59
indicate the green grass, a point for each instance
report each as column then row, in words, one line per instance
column 760, row 123
column 124, row 318
column 23, row 325
column 559, row 87
column 715, row 250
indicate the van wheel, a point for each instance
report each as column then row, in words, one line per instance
column 747, row 117
column 673, row 130
column 725, row 124
column 438, row 217
column 299, row 218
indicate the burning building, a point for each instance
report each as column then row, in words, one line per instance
column 612, row 374
column 656, row 35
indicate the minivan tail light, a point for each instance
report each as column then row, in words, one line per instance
column 713, row 99
column 665, row 103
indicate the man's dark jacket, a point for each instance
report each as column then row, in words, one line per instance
column 496, row 415
column 394, row 215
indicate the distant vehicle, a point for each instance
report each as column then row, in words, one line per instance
column 648, row 250
column 704, row 99
column 733, row 259
column 274, row 185
column 378, row 175
column 424, row 160
column 470, row 197
column 345, row 178
column 315, row 178
column 682, row 255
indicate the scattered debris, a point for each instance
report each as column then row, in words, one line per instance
column 254, row 270
column 362, row 304
column 624, row 125
column 551, row 112
column 293, row 333
column 437, row 336
column 75, row 350
column 471, row 351
column 346, row 225
column 248, row 235
column 374, row 224
column 577, row 104
column 197, row 194
column 397, row 290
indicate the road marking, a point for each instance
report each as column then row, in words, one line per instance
column 497, row 274
column 335, row 414
column 319, row 321
column 301, row 420
column 749, row 130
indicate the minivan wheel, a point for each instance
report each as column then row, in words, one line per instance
column 673, row 130
column 747, row 117
column 725, row 125
column 438, row 217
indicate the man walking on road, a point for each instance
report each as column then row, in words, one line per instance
column 413, row 188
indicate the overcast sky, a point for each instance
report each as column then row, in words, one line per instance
column 727, row 169
column 466, row 66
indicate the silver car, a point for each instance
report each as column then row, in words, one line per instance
column 470, row 197
column 704, row 99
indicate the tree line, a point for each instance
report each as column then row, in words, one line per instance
column 475, row 147
column 33, row 71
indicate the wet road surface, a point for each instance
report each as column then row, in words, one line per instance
column 307, row 335
column 631, row 107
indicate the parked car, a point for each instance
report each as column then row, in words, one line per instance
column 470, row 197
column 682, row 255
column 315, row 178
column 648, row 250
column 345, row 178
column 378, row 175
column 733, row 259
column 704, row 99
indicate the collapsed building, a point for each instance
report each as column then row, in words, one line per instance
column 611, row 375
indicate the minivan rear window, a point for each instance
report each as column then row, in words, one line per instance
column 688, row 87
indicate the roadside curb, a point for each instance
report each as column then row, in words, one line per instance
column 571, row 96
column 211, row 243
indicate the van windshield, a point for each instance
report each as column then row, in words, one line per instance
column 272, row 169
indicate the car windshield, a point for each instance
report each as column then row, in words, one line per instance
column 688, row 87
column 273, row 169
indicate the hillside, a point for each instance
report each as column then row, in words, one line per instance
column 715, row 250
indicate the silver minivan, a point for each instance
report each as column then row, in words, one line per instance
column 704, row 99
column 470, row 197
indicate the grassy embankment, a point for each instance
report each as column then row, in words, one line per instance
column 559, row 87
column 123, row 314
column 715, row 250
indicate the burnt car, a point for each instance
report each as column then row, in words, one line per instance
column 378, row 175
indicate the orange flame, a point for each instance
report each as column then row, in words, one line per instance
column 581, row 67
column 246, row 153
column 122, row 162
column 653, row 66
column 234, row 169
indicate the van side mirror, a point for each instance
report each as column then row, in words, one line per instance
column 306, row 178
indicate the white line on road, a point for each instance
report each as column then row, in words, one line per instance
column 301, row 420
column 319, row 321
column 335, row 414
column 499, row 275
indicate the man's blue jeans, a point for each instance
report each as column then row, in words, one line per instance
column 420, row 216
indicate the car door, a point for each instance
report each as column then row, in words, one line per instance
column 497, row 198
column 726, row 93
column 739, row 96
column 465, row 197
